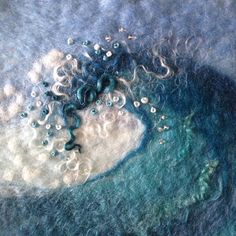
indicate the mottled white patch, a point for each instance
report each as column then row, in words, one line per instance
column 34, row 76
column 52, row 58
column 9, row 89
column 19, row 99
column 106, row 137
column 13, row 109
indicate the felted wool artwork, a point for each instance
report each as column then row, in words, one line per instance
column 117, row 117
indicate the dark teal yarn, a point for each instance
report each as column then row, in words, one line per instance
column 45, row 84
column 97, row 77
column 86, row 95
column 69, row 111
column 44, row 112
column 106, row 84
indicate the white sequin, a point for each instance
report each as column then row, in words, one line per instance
column 153, row 110
column 68, row 57
column 115, row 99
column 109, row 54
column 96, row 46
column 136, row 103
column 33, row 94
column 48, row 126
column 58, row 127
column 144, row 100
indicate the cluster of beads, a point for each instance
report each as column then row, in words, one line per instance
column 144, row 101
column 98, row 74
column 85, row 93
column 161, row 129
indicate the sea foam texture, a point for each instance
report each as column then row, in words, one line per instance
column 106, row 138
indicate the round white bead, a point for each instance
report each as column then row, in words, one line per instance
column 115, row 99
column 58, row 127
column 136, row 103
column 68, row 57
column 33, row 94
column 39, row 103
column 96, row 46
column 144, row 100
column 48, row 126
column 109, row 54
column 153, row 110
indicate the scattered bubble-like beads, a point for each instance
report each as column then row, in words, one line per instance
column 144, row 100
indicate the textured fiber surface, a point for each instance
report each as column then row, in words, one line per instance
column 177, row 179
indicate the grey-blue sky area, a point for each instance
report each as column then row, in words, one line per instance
column 29, row 29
